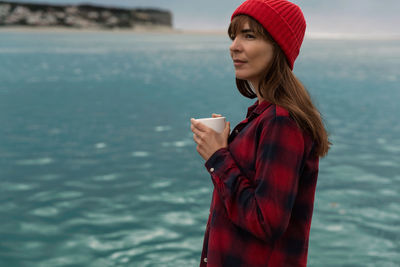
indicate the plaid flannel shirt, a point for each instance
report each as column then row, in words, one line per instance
column 263, row 198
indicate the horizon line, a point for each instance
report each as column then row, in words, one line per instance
column 314, row 35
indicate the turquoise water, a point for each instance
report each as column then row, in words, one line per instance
column 98, row 166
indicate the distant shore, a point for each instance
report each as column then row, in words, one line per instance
column 81, row 16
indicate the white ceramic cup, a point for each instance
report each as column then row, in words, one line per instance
column 217, row 124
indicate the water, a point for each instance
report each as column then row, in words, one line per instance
column 98, row 166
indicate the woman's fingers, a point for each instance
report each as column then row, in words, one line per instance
column 208, row 141
column 199, row 126
column 196, row 132
column 196, row 138
column 216, row 115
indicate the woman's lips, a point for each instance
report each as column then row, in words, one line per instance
column 239, row 63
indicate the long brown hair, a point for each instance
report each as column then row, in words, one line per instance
column 281, row 87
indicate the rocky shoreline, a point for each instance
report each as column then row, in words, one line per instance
column 85, row 16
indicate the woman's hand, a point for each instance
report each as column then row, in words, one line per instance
column 209, row 141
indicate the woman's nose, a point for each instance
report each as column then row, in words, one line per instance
column 235, row 46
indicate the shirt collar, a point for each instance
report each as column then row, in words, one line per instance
column 257, row 108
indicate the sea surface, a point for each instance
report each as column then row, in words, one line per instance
column 98, row 166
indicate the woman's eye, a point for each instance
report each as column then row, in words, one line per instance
column 250, row 36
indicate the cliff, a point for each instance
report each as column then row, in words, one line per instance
column 80, row 16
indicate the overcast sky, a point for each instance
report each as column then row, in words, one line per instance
column 376, row 17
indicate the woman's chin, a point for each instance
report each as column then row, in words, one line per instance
column 241, row 76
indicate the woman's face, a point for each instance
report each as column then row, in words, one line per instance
column 251, row 54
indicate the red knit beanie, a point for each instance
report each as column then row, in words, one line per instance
column 283, row 20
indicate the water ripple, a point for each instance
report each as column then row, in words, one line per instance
column 39, row 161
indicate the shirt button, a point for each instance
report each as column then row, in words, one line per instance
column 236, row 131
column 205, row 259
column 212, row 170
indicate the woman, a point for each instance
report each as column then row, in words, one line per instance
column 265, row 172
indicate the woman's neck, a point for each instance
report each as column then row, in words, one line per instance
column 255, row 89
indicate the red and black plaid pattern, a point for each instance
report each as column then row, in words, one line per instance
column 263, row 198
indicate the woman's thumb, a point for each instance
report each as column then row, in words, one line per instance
column 227, row 128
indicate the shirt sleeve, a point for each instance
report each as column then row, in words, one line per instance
column 262, row 206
